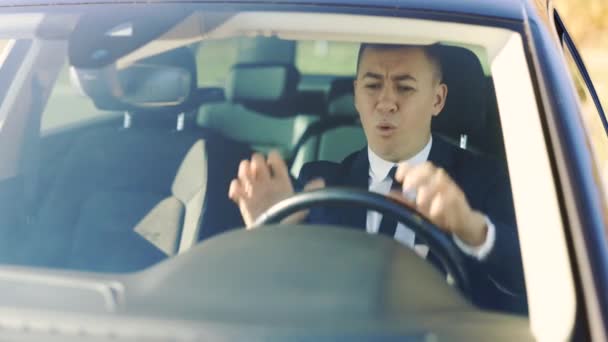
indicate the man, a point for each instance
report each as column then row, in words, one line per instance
column 398, row 90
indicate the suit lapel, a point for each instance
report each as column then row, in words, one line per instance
column 442, row 155
column 357, row 176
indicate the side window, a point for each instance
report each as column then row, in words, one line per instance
column 593, row 117
column 4, row 43
column 326, row 58
column 12, row 54
column 67, row 105
column 214, row 59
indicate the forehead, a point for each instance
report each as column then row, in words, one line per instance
column 402, row 59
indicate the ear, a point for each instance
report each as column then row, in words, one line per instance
column 441, row 93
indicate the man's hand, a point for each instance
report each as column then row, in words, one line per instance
column 442, row 201
column 261, row 183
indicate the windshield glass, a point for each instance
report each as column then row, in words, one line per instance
column 136, row 137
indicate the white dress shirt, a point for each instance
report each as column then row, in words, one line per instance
column 380, row 182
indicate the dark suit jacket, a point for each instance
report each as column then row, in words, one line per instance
column 497, row 281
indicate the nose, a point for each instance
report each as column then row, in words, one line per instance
column 387, row 101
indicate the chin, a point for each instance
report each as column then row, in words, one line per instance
column 386, row 151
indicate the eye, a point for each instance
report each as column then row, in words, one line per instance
column 404, row 89
column 373, row 86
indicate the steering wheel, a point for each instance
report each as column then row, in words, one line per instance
column 438, row 242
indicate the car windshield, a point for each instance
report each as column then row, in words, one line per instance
column 128, row 127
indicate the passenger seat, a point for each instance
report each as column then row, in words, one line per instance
column 126, row 198
column 337, row 144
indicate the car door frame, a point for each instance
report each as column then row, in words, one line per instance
column 565, row 37
column 581, row 204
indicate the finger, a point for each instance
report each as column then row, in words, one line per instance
column 244, row 176
column 235, row 191
column 399, row 197
column 244, row 170
column 278, row 168
column 402, row 169
column 438, row 213
column 442, row 178
column 259, row 168
column 296, row 217
column 438, row 181
column 232, row 190
column 424, row 196
column 418, row 176
column 315, row 184
column 440, row 186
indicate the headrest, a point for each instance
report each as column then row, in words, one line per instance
column 464, row 111
column 100, row 86
column 341, row 99
column 311, row 102
column 267, row 88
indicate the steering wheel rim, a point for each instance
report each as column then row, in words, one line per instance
column 439, row 243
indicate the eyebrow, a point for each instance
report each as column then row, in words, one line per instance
column 404, row 77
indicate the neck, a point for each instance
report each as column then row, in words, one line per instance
column 404, row 154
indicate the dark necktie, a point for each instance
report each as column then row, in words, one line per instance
column 388, row 225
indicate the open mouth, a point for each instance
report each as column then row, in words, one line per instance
column 385, row 129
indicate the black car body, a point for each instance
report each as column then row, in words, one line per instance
column 228, row 283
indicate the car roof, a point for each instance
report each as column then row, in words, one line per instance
column 506, row 9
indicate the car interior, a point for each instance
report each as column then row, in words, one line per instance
column 153, row 182
column 139, row 191
column 122, row 126
column 125, row 179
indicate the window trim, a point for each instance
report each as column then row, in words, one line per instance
column 565, row 38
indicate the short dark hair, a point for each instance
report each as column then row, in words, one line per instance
column 433, row 53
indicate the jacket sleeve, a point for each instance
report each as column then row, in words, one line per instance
column 501, row 272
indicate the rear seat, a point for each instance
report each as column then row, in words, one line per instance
column 263, row 99
column 341, row 104
column 128, row 198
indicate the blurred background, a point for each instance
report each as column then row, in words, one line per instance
column 587, row 22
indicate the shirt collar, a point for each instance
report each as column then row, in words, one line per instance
column 379, row 168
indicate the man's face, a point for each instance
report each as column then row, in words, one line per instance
column 396, row 94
